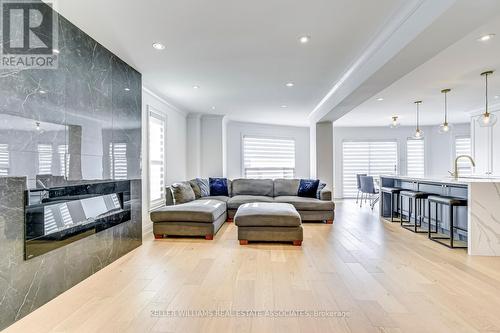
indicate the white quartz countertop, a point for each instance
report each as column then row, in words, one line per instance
column 448, row 180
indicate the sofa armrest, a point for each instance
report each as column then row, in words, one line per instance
column 325, row 195
column 169, row 198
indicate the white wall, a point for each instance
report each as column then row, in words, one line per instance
column 212, row 146
column 236, row 131
column 439, row 149
column 175, row 150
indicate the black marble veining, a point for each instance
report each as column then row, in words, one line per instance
column 74, row 127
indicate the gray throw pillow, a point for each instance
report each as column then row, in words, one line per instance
column 182, row 192
column 204, row 187
column 196, row 188
column 320, row 187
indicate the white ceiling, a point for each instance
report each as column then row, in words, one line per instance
column 240, row 53
column 458, row 67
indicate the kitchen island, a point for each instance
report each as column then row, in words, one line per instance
column 481, row 218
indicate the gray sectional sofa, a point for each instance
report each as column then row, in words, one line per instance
column 204, row 216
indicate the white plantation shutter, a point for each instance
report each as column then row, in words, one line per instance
column 118, row 159
column 415, row 154
column 373, row 158
column 156, row 159
column 463, row 147
column 62, row 150
column 268, row 157
column 4, row 159
column 44, row 159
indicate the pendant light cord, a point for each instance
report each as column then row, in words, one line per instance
column 486, row 107
column 445, row 108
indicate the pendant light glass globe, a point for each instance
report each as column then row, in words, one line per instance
column 395, row 122
column 487, row 119
column 445, row 127
column 419, row 134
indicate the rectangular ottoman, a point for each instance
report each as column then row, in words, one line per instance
column 195, row 218
column 263, row 221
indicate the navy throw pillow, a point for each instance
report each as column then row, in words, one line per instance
column 218, row 186
column 308, row 188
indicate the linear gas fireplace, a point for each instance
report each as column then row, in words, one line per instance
column 55, row 217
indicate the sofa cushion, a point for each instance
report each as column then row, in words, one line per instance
column 204, row 186
column 218, row 186
column 301, row 203
column 215, row 197
column 253, row 187
column 236, row 201
column 182, row 192
column 308, row 188
column 263, row 214
column 321, row 186
column 286, row 187
column 196, row 188
column 195, row 211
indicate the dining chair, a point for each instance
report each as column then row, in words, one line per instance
column 368, row 189
column 358, row 185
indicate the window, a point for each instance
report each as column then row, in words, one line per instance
column 415, row 157
column 44, row 159
column 463, row 147
column 4, row 159
column 268, row 157
column 156, row 145
column 62, row 150
column 118, row 160
column 373, row 158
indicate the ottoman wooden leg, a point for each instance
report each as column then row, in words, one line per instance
column 158, row 236
column 329, row 221
column 243, row 242
column 229, row 220
column 209, row 237
column 297, row 242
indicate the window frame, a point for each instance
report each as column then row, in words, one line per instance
column 393, row 140
column 268, row 137
column 425, row 156
column 7, row 166
column 151, row 111
column 38, row 165
column 455, row 138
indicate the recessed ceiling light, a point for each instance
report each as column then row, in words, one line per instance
column 284, row 106
column 289, row 84
column 55, row 51
column 304, row 39
column 42, row 91
column 497, row 97
column 158, row 46
column 127, row 89
column 380, row 99
column 486, row 38
column 196, row 87
column 213, row 107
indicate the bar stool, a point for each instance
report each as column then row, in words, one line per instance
column 415, row 199
column 451, row 202
column 392, row 191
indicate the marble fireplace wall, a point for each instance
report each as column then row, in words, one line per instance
column 86, row 114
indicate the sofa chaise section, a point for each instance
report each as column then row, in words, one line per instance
column 195, row 218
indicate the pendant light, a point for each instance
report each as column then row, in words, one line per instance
column 445, row 127
column 394, row 122
column 487, row 119
column 419, row 134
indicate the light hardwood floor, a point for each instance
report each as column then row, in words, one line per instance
column 387, row 280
